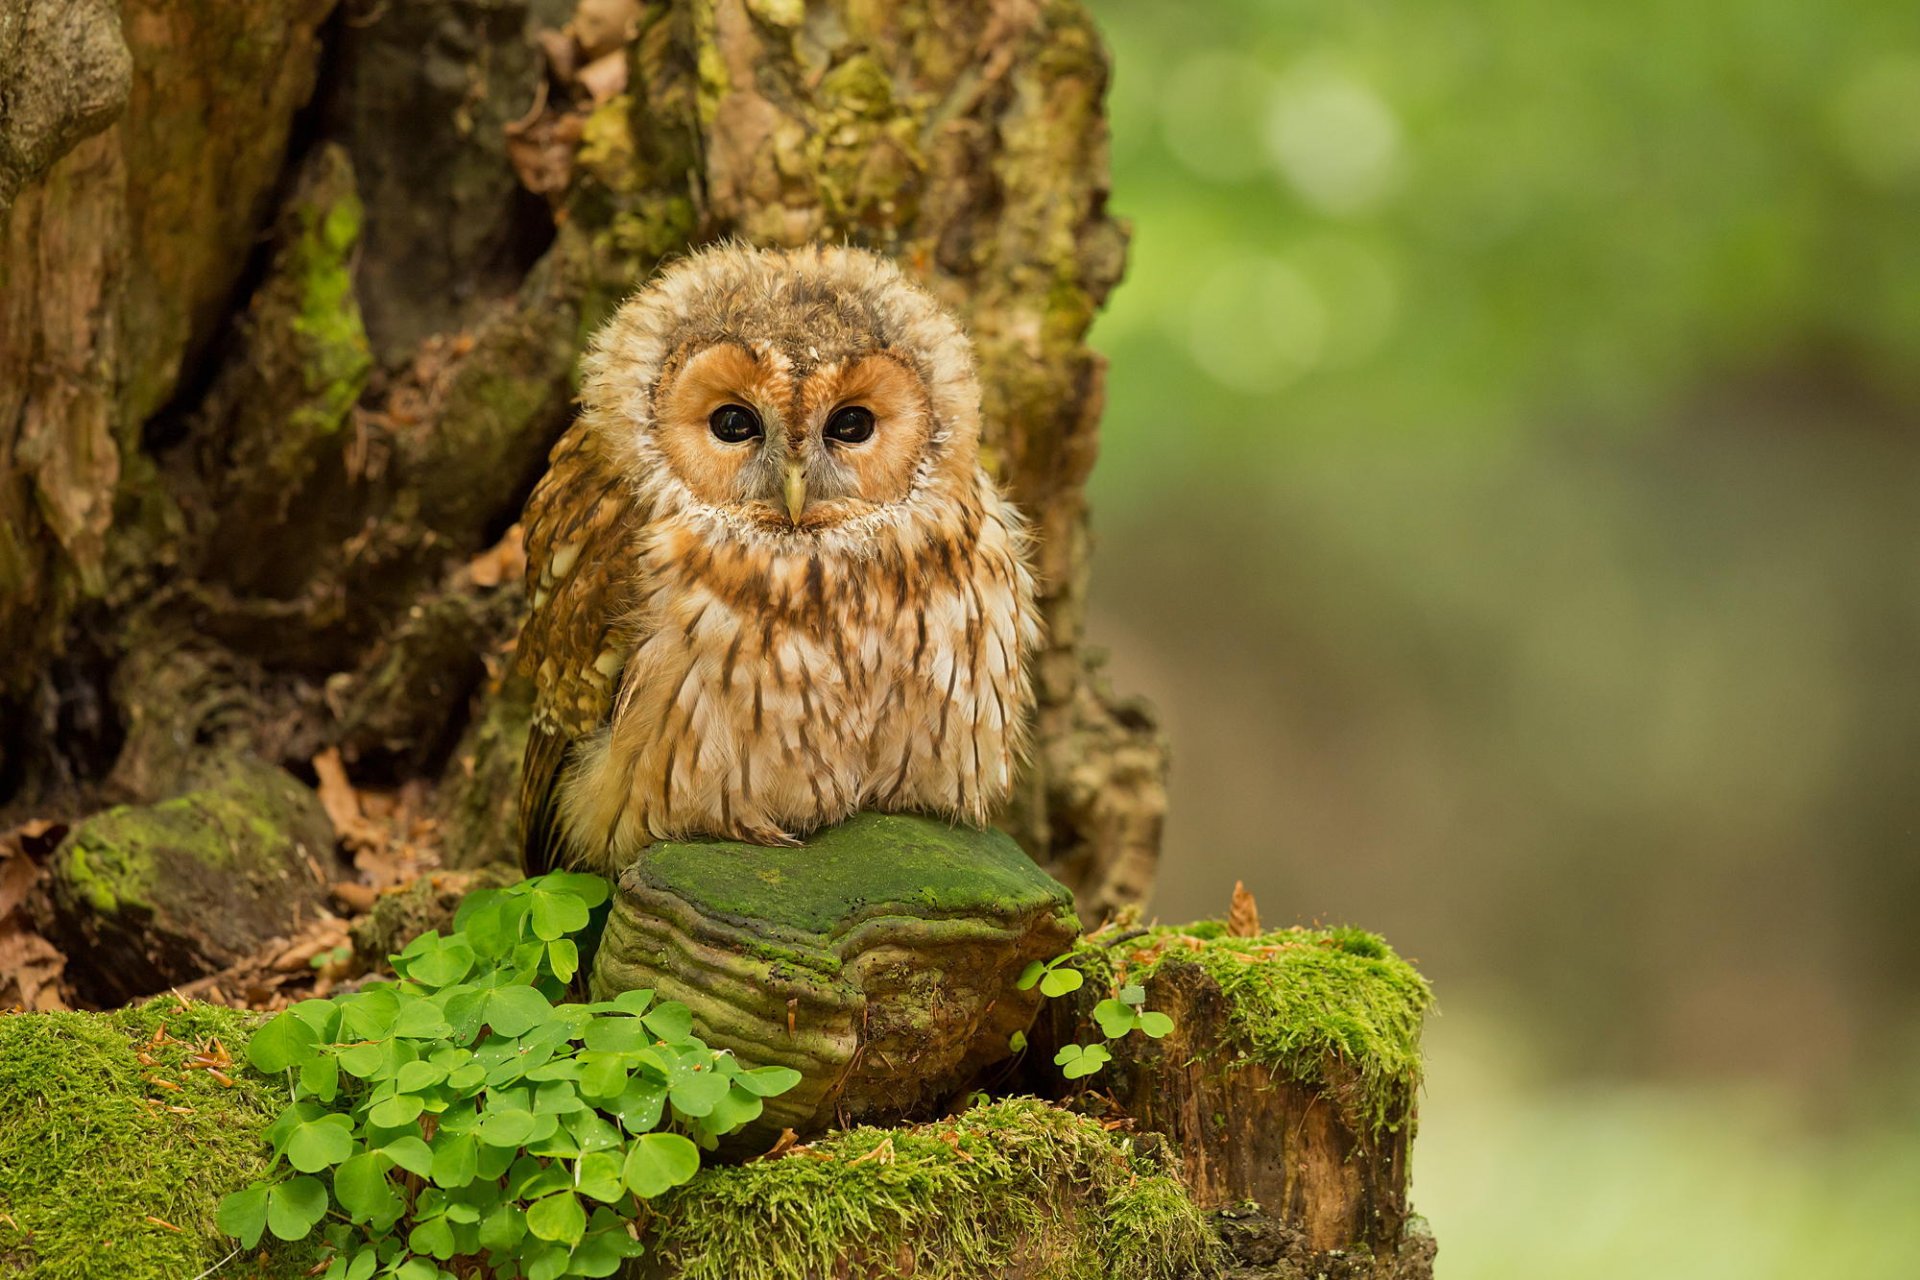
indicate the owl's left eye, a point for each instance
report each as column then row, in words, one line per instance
column 734, row 423
column 851, row 425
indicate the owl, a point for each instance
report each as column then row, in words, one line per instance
column 770, row 582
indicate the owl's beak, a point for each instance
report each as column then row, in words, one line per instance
column 795, row 489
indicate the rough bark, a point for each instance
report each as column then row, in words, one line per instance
column 283, row 347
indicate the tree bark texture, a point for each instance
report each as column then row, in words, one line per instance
column 284, row 345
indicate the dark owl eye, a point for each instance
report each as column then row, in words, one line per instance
column 851, row 425
column 734, row 423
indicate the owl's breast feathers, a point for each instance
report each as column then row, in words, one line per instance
column 693, row 679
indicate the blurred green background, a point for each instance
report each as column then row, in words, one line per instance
column 1510, row 498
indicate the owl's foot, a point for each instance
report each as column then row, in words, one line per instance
column 774, row 837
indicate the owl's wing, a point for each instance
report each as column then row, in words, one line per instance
column 580, row 523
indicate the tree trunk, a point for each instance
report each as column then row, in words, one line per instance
column 282, row 350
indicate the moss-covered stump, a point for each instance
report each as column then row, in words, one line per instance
column 1016, row 1188
column 1288, row 1081
column 147, row 896
column 879, row 959
column 113, row 1166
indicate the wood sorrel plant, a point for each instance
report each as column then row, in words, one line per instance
column 463, row 1119
column 1117, row 1015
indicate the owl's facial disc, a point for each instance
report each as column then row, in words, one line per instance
column 799, row 445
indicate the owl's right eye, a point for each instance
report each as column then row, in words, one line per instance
column 734, row 423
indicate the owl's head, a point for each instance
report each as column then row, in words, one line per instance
column 789, row 392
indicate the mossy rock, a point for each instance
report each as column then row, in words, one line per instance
column 879, row 959
column 149, row 896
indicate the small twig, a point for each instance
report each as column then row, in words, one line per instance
column 216, row 1266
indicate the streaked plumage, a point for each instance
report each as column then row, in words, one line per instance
column 757, row 637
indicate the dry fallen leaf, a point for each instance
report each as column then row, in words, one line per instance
column 1243, row 919
column 504, row 561
column 604, row 78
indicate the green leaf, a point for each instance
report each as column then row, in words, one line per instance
column 1078, row 1060
column 466, row 1010
column 592, row 890
column 635, row 1001
column 322, row 1015
column 286, row 1041
column 558, row 1069
column 243, row 1215
column 1115, row 1019
column 411, row 1154
column 593, row 1131
column 529, row 1179
column 362, row 1060
column 768, row 1082
column 602, row 1076
column 658, row 1162
column 1030, row 975
column 1155, row 1025
column 361, row 1187
column 735, row 1109
column 455, row 1159
column 558, row 1217
column 433, row 1237
column 467, row 917
column 421, row 1019
column 1059, row 982
column 670, row 1020
column 1017, row 1042
column 506, row 1128
column 363, row 1264
column 320, row 1144
column 320, row 1077
column 1133, row 994
column 294, row 1206
column 469, row 1077
column 600, row 1176
column 557, row 1097
column 615, row 1034
column 368, row 1014
column 512, row 1011
column 416, row 1269
column 555, row 915
column 443, row 965
column 697, row 1093
column 504, row 1227
column 546, row 1262
column 638, row 1108
column 597, row 1255
column 415, row 1076
column 400, row 1109
column 563, row 957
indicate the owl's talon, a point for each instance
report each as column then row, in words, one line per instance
column 772, row 837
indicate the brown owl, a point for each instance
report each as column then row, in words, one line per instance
column 771, row 583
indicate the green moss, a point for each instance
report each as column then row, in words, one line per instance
column 1331, row 1007
column 90, row 1153
column 1016, row 1180
column 848, row 871
column 318, row 263
column 111, row 860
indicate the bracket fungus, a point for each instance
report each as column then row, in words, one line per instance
column 879, row 959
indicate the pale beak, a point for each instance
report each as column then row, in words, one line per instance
column 795, row 489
